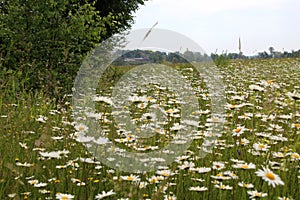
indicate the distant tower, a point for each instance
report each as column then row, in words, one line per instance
column 240, row 48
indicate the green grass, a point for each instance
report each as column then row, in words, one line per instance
column 263, row 114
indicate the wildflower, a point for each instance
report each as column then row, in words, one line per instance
column 12, row 195
column 130, row 178
column 261, row 147
column 278, row 155
column 198, row 188
column 237, row 161
column 239, row 131
column 155, row 179
column 269, row 176
column 201, row 169
column 44, row 191
column 23, row 145
column 170, row 197
column 49, row 155
column 186, row 165
column 142, row 184
column 103, row 99
column 57, row 137
column 218, row 165
column 32, row 182
column 223, row 187
column 41, row 119
column 176, row 127
column 38, row 185
column 294, row 156
column 231, row 174
column 296, row 125
column 244, row 166
column 245, row 185
column 198, row 179
column 243, row 142
column 24, row 164
column 233, row 106
column 256, row 88
column 295, row 96
column 221, row 176
column 165, row 173
column 62, row 196
column 104, row 194
column 253, row 194
column 81, row 128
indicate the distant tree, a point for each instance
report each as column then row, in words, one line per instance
column 189, row 55
column 271, row 49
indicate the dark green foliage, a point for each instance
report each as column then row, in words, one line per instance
column 47, row 40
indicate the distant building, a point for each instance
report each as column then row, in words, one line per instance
column 137, row 60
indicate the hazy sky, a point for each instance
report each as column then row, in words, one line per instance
column 217, row 24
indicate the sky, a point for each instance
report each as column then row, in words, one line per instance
column 217, row 25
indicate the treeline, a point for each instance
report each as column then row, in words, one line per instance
column 260, row 55
column 138, row 56
column 141, row 56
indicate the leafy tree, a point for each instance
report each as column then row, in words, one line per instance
column 47, row 40
column 122, row 8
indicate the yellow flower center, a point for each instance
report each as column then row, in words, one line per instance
column 149, row 98
column 270, row 176
column 80, row 128
column 165, row 174
column 129, row 178
column 153, row 180
column 223, row 187
column 261, row 146
column 295, row 155
column 258, row 194
column 65, row 198
column 244, row 166
column 269, row 82
column 297, row 125
column 237, row 130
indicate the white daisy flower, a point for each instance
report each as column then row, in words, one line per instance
column 256, row 88
column 130, row 178
column 244, row 166
column 218, row 165
column 198, row 188
column 223, row 187
column 245, row 185
column 62, row 196
column 261, row 147
column 254, row 194
column 269, row 176
column 238, row 131
column 104, row 194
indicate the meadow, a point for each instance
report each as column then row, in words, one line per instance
column 255, row 156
